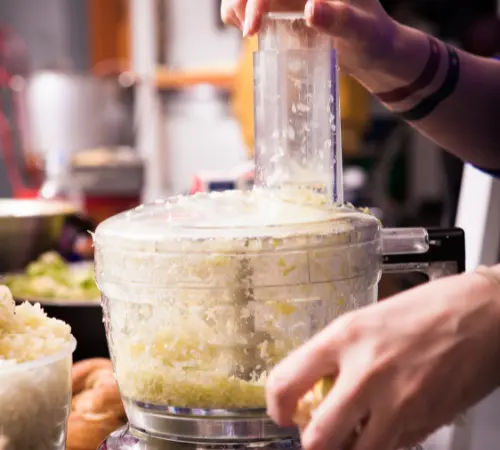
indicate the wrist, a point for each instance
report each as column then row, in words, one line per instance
column 402, row 60
column 489, row 278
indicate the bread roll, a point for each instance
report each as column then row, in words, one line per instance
column 96, row 409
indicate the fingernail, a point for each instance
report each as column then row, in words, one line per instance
column 320, row 15
column 240, row 21
column 246, row 27
column 309, row 10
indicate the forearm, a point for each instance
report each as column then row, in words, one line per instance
column 481, row 299
column 467, row 122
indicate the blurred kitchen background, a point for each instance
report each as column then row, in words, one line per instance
column 147, row 98
column 110, row 103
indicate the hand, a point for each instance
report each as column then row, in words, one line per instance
column 247, row 14
column 361, row 31
column 403, row 367
column 84, row 246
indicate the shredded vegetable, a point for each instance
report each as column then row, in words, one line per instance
column 26, row 333
column 51, row 278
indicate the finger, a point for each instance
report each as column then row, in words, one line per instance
column 376, row 434
column 337, row 417
column 239, row 7
column 228, row 14
column 234, row 20
column 238, row 23
column 336, row 18
column 254, row 11
column 296, row 374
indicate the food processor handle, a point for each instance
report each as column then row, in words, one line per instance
column 435, row 252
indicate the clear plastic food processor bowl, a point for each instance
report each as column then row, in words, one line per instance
column 203, row 295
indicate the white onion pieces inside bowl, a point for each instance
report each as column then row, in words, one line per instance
column 35, row 377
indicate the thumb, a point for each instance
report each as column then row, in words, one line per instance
column 338, row 19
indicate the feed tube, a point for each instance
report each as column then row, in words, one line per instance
column 297, row 114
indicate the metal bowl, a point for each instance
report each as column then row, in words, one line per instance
column 29, row 228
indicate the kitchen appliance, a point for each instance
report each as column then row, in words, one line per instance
column 204, row 294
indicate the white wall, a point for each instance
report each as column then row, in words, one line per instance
column 193, row 39
column 202, row 135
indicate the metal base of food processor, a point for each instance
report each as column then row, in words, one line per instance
column 205, row 425
column 128, row 438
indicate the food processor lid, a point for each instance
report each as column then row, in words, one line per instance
column 218, row 218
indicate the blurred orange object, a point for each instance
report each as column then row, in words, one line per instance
column 172, row 79
column 243, row 93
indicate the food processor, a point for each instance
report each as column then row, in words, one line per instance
column 204, row 294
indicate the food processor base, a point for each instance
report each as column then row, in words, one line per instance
column 127, row 439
